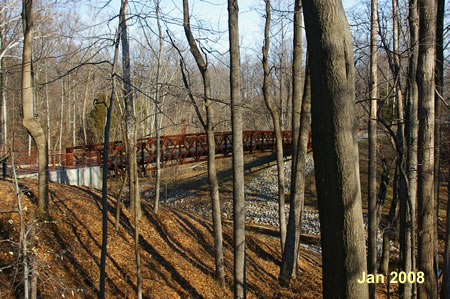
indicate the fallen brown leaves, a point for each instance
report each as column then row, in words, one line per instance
column 176, row 252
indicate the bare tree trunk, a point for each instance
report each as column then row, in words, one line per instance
column 296, row 79
column 405, row 219
column 276, row 127
column 335, row 149
column 372, row 191
column 61, row 122
column 426, row 88
column 4, row 146
column 5, row 114
column 47, row 106
column 83, row 113
column 109, row 110
column 74, row 121
column 157, row 125
column 411, row 128
column 238, row 152
column 389, row 231
column 119, row 200
column 22, row 236
column 137, row 254
column 446, row 279
column 209, row 128
column 130, row 122
column 130, row 117
column 30, row 122
column 439, row 82
column 291, row 251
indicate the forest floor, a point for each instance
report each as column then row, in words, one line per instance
column 176, row 244
column 176, row 251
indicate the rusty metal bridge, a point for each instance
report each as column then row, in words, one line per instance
column 175, row 150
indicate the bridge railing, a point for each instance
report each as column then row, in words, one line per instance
column 175, row 150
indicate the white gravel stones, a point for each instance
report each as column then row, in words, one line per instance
column 265, row 186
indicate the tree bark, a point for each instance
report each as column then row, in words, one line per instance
column 238, row 153
column 274, row 112
column 211, row 144
column 426, row 92
column 335, row 149
column 30, row 122
column 372, row 191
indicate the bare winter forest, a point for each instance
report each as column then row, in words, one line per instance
column 217, row 149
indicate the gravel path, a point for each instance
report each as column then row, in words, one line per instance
column 261, row 201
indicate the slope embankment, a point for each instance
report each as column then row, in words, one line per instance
column 176, row 251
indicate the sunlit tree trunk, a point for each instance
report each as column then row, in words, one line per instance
column 335, row 148
column 274, row 112
column 130, row 124
column 372, row 191
column 238, row 152
column 30, row 122
column 425, row 198
column 211, row 144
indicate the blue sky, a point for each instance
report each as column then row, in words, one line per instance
column 212, row 13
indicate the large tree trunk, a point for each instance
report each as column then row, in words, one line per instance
column 276, row 126
column 30, row 122
column 211, row 143
column 372, row 191
column 426, row 86
column 238, row 152
column 335, row 148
